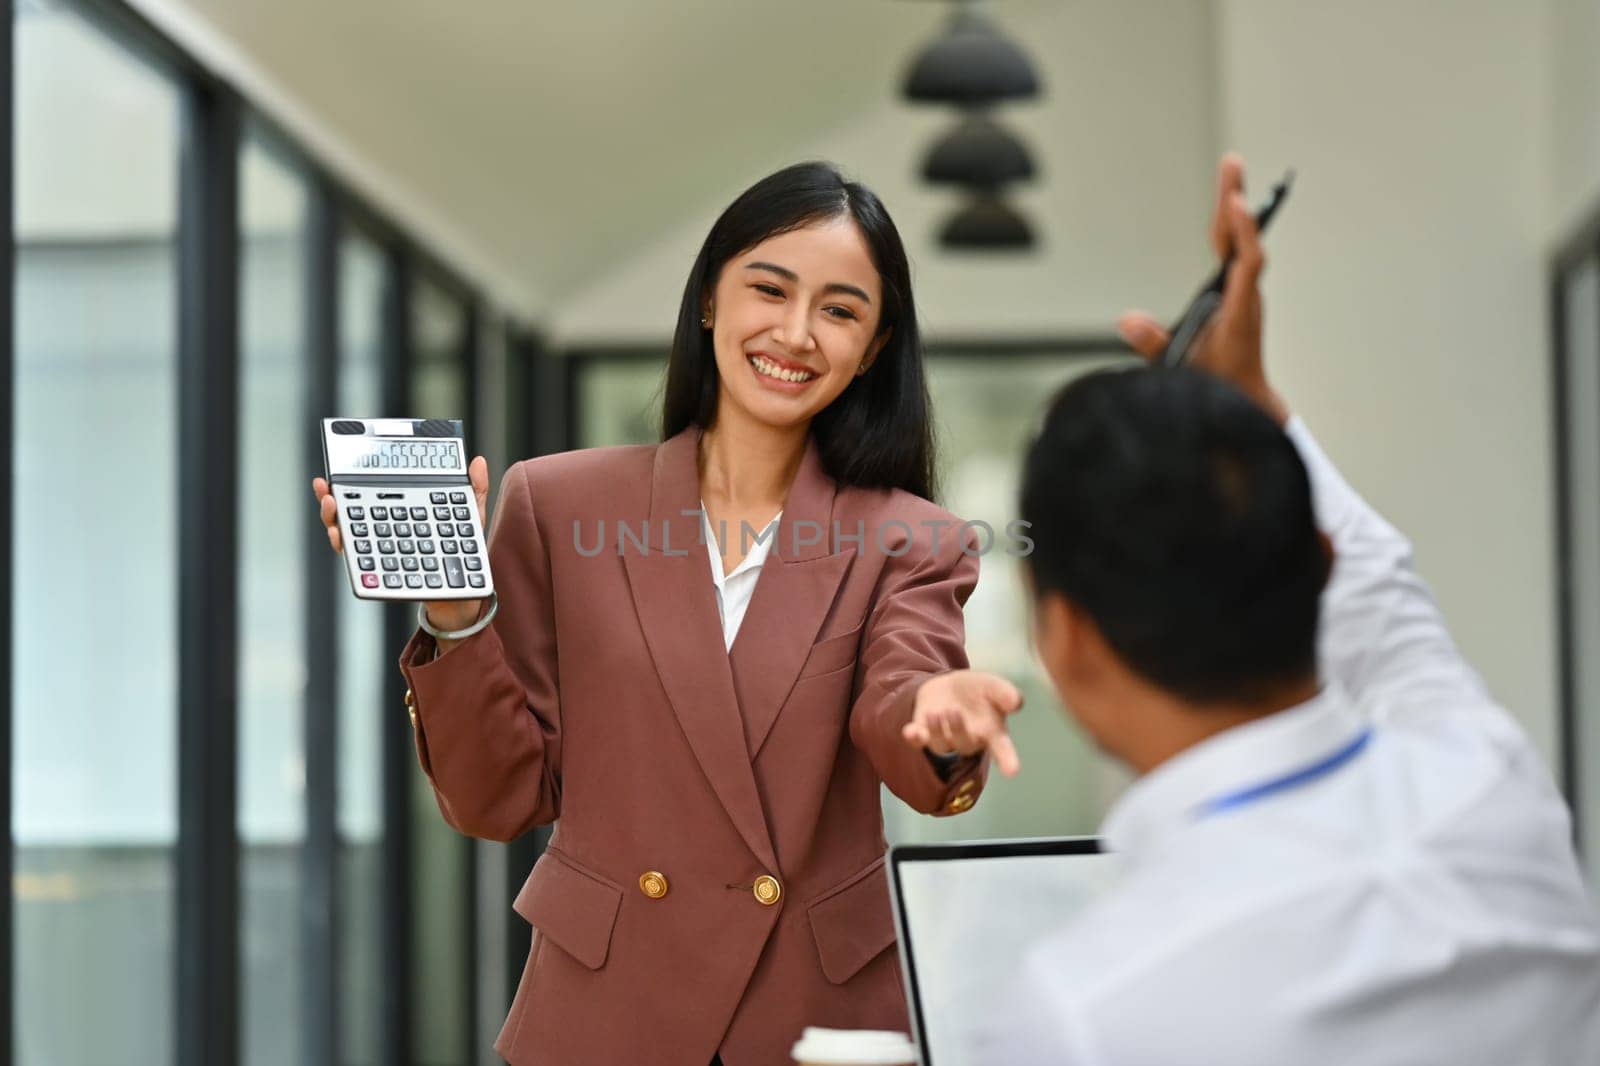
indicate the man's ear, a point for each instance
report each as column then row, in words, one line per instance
column 1327, row 553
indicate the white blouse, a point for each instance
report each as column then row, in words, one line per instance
column 734, row 590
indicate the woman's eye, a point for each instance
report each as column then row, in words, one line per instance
column 769, row 290
column 843, row 312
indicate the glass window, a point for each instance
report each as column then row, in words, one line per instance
column 95, row 645
column 362, row 660
column 1582, row 342
column 441, row 914
column 272, row 559
column 986, row 408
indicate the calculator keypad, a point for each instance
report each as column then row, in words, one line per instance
column 420, row 544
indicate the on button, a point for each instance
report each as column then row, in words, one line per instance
column 369, row 580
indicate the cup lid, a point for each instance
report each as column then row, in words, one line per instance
column 855, row 1047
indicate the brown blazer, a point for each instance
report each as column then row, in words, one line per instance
column 744, row 784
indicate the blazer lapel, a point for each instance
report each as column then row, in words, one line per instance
column 677, row 608
column 792, row 596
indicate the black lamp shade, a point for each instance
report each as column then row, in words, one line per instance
column 971, row 64
column 987, row 224
column 978, row 153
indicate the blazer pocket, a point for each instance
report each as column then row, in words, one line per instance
column 574, row 908
column 834, row 653
column 853, row 923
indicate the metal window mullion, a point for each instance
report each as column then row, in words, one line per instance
column 208, row 448
column 7, row 458
column 395, row 1041
column 323, row 580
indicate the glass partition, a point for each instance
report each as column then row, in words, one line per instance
column 94, row 483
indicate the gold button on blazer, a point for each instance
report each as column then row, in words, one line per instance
column 602, row 695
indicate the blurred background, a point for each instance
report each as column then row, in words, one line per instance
column 232, row 218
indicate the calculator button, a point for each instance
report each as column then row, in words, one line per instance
column 473, row 562
column 369, row 581
column 366, row 563
column 358, row 529
column 391, row 581
column 430, row 563
column 452, row 573
column 363, row 547
column 434, row 581
column 422, row 529
column 458, row 497
column 408, row 562
column 380, row 513
column 425, row 547
column 469, row 547
column 419, row 514
column 413, row 581
column 464, row 529
column 442, row 513
column 436, row 497
column 448, row 547
column 463, row 515
column 352, row 495
column 386, row 547
column 408, row 547
column 356, row 513
column 475, row 580
column 384, row 529
column 391, row 563
column 402, row 529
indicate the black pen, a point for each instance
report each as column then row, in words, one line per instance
column 1209, row 298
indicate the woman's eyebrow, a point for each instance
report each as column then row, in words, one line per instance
column 789, row 275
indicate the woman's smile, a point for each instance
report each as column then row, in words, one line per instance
column 780, row 375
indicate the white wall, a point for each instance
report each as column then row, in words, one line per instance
column 1405, row 293
column 1124, row 137
column 1573, row 33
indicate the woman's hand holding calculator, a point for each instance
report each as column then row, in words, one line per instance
column 444, row 614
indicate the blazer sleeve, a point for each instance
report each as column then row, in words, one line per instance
column 915, row 631
column 487, row 715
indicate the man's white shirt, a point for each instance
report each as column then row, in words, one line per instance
column 1417, row 902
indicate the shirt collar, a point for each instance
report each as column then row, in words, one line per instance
column 760, row 545
column 1162, row 802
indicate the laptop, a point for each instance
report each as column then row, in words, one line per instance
column 958, row 947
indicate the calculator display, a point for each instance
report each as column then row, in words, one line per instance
column 388, row 455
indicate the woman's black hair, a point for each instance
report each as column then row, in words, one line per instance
column 878, row 432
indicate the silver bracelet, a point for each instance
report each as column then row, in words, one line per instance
column 457, row 634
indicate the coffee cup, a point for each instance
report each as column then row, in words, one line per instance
column 853, row 1047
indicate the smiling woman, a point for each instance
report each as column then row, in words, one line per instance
column 714, row 730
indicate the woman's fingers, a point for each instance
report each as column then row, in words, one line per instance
column 478, row 473
column 1005, row 753
column 328, row 511
column 1248, row 261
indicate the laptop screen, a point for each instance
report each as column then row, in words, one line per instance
column 967, row 913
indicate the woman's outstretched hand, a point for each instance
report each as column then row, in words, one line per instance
column 444, row 614
column 964, row 712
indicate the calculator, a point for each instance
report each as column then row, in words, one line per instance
column 406, row 511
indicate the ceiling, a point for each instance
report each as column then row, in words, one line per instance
column 555, row 137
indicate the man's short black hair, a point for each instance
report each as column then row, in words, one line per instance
column 1175, row 513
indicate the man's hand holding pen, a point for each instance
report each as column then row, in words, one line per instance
column 1230, row 344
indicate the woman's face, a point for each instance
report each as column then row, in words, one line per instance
column 793, row 319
